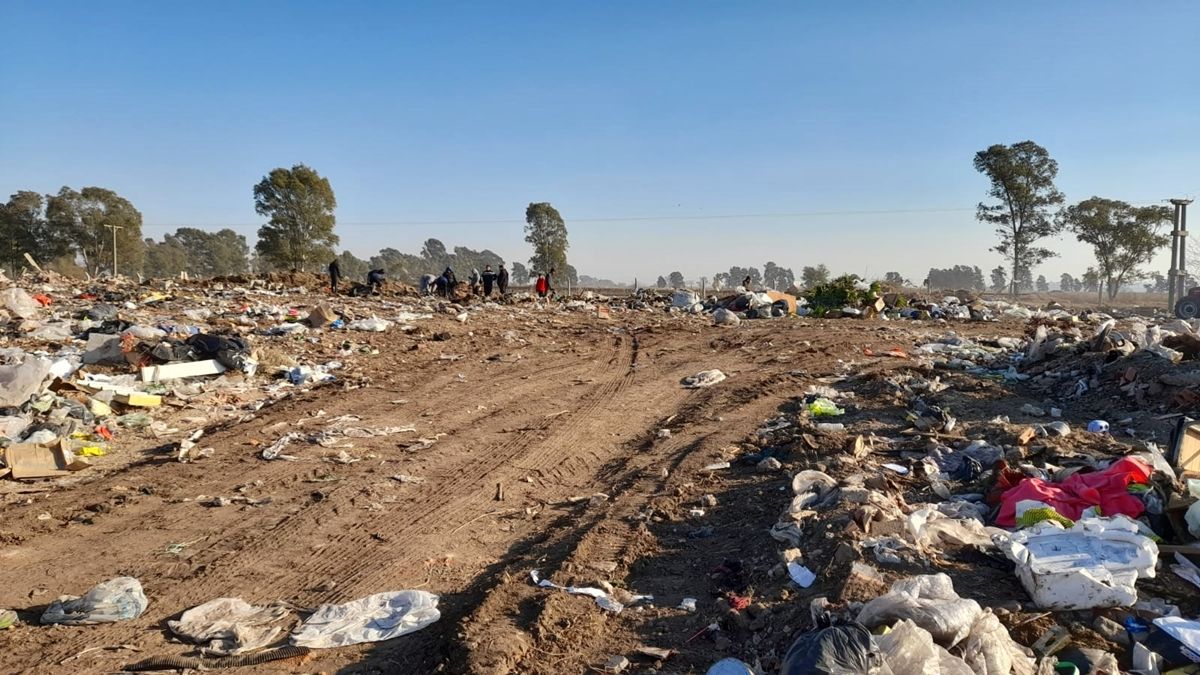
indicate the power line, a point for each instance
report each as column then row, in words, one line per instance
column 621, row 219
column 609, row 219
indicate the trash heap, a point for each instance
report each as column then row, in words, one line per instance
column 89, row 368
column 986, row 548
column 845, row 297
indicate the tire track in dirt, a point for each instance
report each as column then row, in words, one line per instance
column 457, row 511
column 612, row 537
column 355, row 557
column 263, row 536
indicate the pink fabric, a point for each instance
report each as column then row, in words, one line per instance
column 1107, row 489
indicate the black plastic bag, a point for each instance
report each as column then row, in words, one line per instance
column 847, row 649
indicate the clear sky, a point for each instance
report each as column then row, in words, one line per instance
column 671, row 135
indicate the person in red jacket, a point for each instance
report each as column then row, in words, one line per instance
column 542, row 286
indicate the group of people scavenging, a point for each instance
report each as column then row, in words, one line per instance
column 374, row 285
column 484, row 284
column 443, row 285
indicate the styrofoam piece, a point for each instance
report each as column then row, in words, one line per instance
column 1094, row 564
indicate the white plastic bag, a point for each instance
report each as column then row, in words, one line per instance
column 908, row 648
column 382, row 616
column 373, row 324
column 989, row 649
column 929, row 527
column 725, row 317
column 704, row 378
column 684, row 299
column 118, row 599
column 19, row 303
column 930, row 602
column 19, row 382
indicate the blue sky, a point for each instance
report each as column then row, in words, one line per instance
column 662, row 131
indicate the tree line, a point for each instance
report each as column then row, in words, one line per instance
column 1028, row 208
column 101, row 232
column 77, row 230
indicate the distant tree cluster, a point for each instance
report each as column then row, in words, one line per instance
column 963, row 277
column 812, row 276
column 1123, row 237
column 77, row 230
column 594, row 282
column 80, row 225
column 198, row 253
column 1028, row 208
column 1156, row 283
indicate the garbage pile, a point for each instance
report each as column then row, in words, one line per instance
column 87, row 368
column 844, row 297
column 987, row 549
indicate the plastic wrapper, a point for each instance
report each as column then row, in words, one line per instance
column 930, row 602
column 118, row 599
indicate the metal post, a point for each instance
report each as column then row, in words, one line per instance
column 1177, row 276
column 114, row 229
column 1183, row 271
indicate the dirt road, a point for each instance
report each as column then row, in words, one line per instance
column 518, row 435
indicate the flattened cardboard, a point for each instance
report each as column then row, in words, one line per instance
column 27, row 460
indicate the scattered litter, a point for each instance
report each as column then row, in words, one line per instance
column 228, row 626
column 848, row 648
column 377, row 617
column 373, row 324
column 603, row 600
column 800, row 574
column 705, row 378
column 275, row 450
column 823, row 407
column 118, row 599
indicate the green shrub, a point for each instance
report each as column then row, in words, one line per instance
column 841, row 292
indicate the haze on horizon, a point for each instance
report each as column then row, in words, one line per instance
column 671, row 136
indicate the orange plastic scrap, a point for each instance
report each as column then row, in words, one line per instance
column 894, row 352
column 43, row 299
column 103, row 432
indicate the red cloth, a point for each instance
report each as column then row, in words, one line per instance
column 1107, row 489
column 542, row 286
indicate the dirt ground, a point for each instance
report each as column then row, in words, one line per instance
column 540, row 414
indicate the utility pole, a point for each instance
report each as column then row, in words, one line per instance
column 114, row 229
column 1177, row 275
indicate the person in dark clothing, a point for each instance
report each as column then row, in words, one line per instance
column 550, row 280
column 451, row 282
column 375, row 281
column 502, row 280
column 746, row 282
column 489, row 280
column 439, row 286
column 335, row 276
